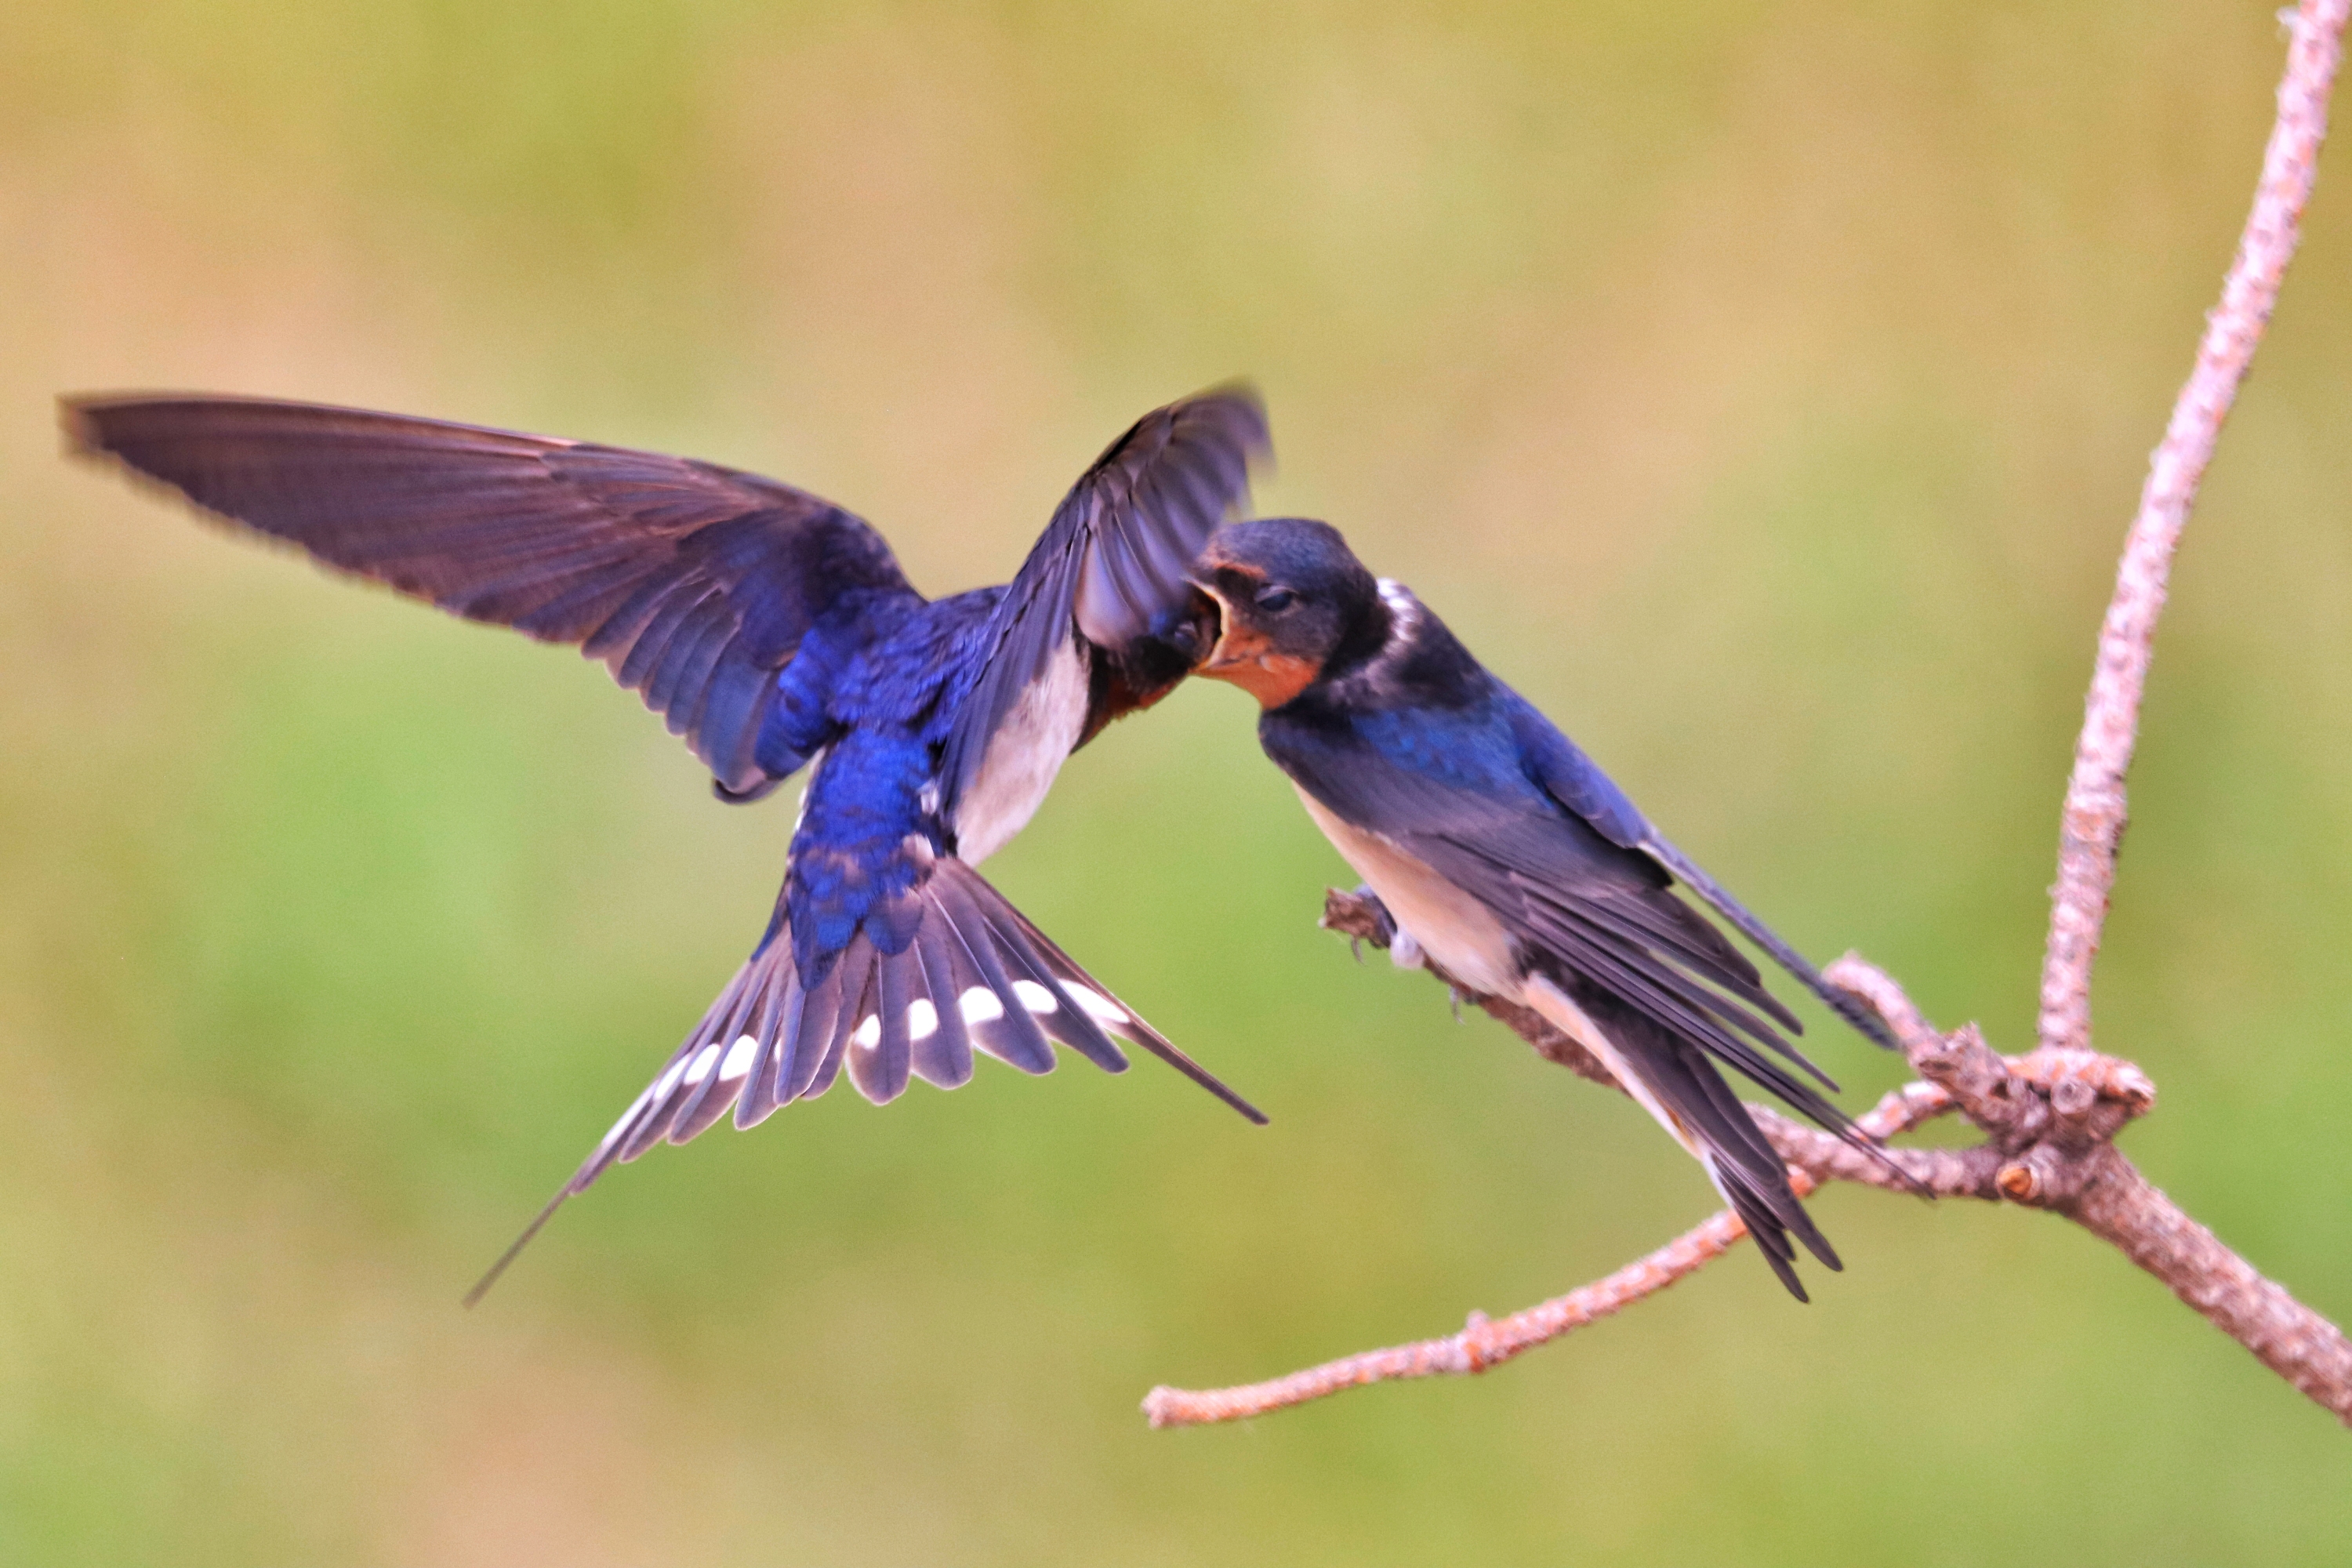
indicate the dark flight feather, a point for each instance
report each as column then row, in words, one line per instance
column 1573, row 779
column 1851, row 1009
column 693, row 582
column 1602, row 922
column 1110, row 567
column 1746, row 1171
column 976, row 976
column 1551, row 873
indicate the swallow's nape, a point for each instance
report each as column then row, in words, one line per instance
column 774, row 630
column 1510, row 858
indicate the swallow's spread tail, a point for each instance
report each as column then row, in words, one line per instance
column 976, row 976
column 1672, row 1078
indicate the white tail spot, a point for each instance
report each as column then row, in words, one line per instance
column 869, row 1033
column 667, row 1082
column 1102, row 1007
column 922, row 1019
column 706, row 1059
column 738, row 1057
column 1033, row 996
column 628, row 1115
column 979, row 1006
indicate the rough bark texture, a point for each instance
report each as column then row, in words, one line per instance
column 2091, row 825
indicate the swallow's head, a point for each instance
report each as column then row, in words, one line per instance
column 1293, row 605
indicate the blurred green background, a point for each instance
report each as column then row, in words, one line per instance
column 1764, row 389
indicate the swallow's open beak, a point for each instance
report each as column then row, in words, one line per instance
column 1222, row 656
column 1244, row 655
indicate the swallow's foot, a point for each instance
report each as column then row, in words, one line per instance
column 1360, row 917
column 1403, row 951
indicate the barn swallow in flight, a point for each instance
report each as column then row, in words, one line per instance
column 1510, row 860
column 772, row 630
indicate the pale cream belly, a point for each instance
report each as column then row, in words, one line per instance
column 1022, row 757
column 1465, row 939
column 1461, row 934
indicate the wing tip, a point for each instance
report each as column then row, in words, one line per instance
column 1240, row 390
column 79, row 425
column 1058, row 971
column 1857, row 1015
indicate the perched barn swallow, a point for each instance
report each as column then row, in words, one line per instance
column 1510, row 860
column 772, row 630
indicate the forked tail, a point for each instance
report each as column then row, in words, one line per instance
column 976, row 977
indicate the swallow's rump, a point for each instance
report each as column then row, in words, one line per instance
column 1513, row 861
column 772, row 630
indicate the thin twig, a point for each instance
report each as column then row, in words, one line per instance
column 2091, row 826
column 2049, row 1117
column 1484, row 1343
column 1481, row 1345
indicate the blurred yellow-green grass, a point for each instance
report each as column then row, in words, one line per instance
column 1763, row 388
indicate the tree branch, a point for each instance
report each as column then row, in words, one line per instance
column 1484, row 1343
column 2091, row 825
column 2049, row 1117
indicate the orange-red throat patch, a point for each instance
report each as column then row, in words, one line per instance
column 1249, row 661
column 1246, row 658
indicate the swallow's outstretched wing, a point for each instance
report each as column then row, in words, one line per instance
column 693, row 582
column 1107, row 578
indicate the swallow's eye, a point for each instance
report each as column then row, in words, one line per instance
column 1274, row 601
